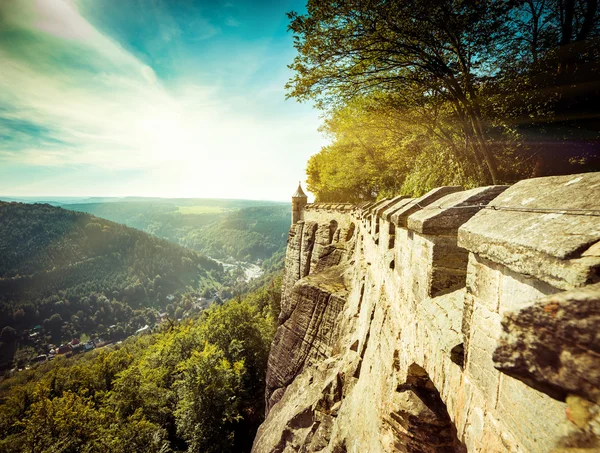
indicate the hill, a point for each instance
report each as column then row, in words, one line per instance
column 70, row 274
column 196, row 386
column 241, row 230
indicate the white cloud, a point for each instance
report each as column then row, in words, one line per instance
column 192, row 137
column 232, row 22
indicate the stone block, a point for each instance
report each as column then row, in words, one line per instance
column 482, row 373
column 474, row 430
column 517, row 291
column 537, row 421
column 448, row 213
column 388, row 204
column 525, row 228
column 391, row 209
column 373, row 208
column 483, row 281
column 484, row 333
column 400, row 216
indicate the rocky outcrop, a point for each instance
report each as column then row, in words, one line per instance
column 460, row 321
column 307, row 335
column 314, row 294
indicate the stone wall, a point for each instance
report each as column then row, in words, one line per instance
column 458, row 321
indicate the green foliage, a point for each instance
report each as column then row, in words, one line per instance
column 8, row 334
column 73, row 273
column 419, row 94
column 208, row 406
column 196, row 387
column 241, row 230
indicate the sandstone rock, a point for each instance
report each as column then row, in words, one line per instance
column 537, row 230
column 554, row 344
column 400, row 216
column 306, row 336
column 450, row 212
column 304, row 418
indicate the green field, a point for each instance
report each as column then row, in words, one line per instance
column 200, row 209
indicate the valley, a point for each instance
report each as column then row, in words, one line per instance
column 67, row 275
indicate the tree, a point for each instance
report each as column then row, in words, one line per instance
column 482, row 91
column 53, row 324
column 208, row 404
column 8, row 334
column 358, row 47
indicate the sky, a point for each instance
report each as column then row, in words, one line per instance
column 180, row 98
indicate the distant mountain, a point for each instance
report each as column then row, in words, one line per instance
column 87, row 273
column 232, row 203
column 238, row 229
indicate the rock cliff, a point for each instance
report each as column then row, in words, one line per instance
column 459, row 321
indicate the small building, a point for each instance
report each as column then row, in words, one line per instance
column 40, row 358
column 145, row 329
column 64, row 349
column 299, row 202
column 89, row 346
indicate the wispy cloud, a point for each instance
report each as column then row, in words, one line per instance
column 232, row 22
column 71, row 95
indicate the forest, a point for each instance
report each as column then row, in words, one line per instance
column 419, row 94
column 242, row 230
column 195, row 386
column 64, row 274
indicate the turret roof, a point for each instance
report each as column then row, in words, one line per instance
column 299, row 192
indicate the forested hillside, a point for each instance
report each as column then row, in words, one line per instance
column 70, row 274
column 223, row 229
column 195, row 387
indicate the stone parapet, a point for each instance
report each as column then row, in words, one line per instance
column 400, row 216
column 542, row 227
column 464, row 320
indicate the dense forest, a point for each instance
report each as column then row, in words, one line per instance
column 196, row 386
column 64, row 274
column 419, row 94
column 222, row 229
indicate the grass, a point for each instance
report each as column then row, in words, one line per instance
column 200, row 209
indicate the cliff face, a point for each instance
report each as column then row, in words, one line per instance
column 438, row 325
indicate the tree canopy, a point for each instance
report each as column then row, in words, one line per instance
column 476, row 88
column 196, row 387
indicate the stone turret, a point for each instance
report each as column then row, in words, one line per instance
column 299, row 201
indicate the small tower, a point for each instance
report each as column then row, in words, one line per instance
column 299, row 201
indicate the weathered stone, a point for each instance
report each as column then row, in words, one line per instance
column 387, row 213
column 388, row 204
column 400, row 216
column 554, row 344
column 448, row 213
column 343, row 374
column 304, row 418
column 540, row 227
column 306, row 335
column 373, row 208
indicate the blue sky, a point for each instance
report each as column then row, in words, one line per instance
column 151, row 98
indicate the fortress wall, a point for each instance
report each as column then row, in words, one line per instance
column 459, row 321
